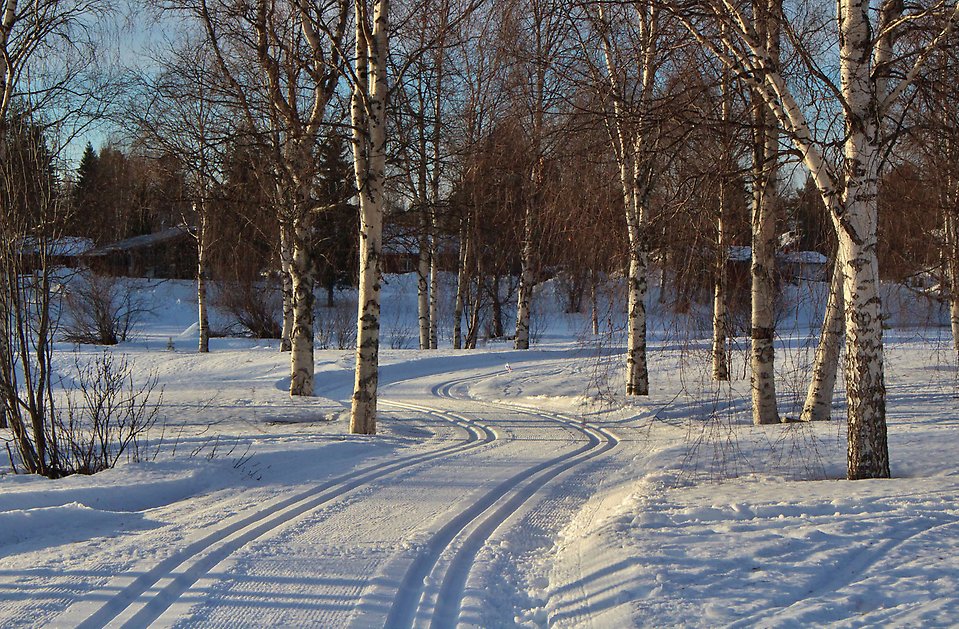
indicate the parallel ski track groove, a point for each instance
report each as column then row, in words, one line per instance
column 486, row 514
column 226, row 541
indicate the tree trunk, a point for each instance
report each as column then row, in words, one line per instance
column 524, row 294
column 201, row 251
column 286, row 286
column 720, row 352
column 497, row 306
column 637, row 374
column 462, row 285
column 301, row 340
column 422, row 283
column 952, row 269
column 594, row 306
column 434, row 289
column 763, row 269
column 818, row 405
column 368, row 113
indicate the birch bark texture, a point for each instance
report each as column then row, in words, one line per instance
column 874, row 73
column 763, row 222
column 634, row 134
column 368, row 117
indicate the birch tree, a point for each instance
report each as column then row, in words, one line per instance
column 368, row 117
column 540, row 29
column 877, row 65
column 298, row 51
column 636, row 45
column 183, row 119
column 765, row 145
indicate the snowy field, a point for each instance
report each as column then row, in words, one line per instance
column 504, row 489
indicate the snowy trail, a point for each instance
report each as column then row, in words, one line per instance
column 434, row 585
column 395, row 587
column 142, row 601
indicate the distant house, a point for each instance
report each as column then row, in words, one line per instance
column 810, row 266
column 401, row 251
column 169, row 254
column 791, row 266
column 67, row 251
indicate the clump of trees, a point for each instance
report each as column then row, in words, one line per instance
column 592, row 142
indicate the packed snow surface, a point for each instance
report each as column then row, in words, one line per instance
column 504, row 489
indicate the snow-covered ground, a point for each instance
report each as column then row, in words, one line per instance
column 505, row 488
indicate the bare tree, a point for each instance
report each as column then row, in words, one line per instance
column 298, row 51
column 368, row 117
column 877, row 65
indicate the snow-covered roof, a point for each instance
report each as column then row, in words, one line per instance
column 739, row 253
column 68, row 246
column 139, row 242
column 805, row 257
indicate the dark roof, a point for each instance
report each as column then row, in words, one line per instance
column 142, row 242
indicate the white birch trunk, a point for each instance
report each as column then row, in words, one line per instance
column 764, row 243
column 952, row 269
column 867, row 445
column 720, row 355
column 637, row 372
column 286, row 286
column 434, row 289
column 594, row 305
column 301, row 339
column 818, row 404
column 525, row 291
column 422, row 285
column 636, row 172
column 368, row 113
column 763, row 288
column 462, row 286
column 201, row 252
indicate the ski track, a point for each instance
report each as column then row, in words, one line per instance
column 431, row 592
column 862, row 565
column 434, row 584
column 141, row 602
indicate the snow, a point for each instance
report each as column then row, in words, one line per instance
column 535, row 496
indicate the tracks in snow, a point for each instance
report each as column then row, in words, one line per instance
column 142, row 601
column 434, row 584
column 432, row 591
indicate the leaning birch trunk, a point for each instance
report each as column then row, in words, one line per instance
column 818, row 405
column 368, row 114
column 201, row 251
column 524, row 294
column 422, row 285
column 301, row 339
column 286, row 286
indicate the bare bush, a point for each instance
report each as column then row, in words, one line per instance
column 103, row 310
column 107, row 416
column 254, row 305
column 336, row 327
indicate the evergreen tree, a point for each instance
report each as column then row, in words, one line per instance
column 335, row 242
